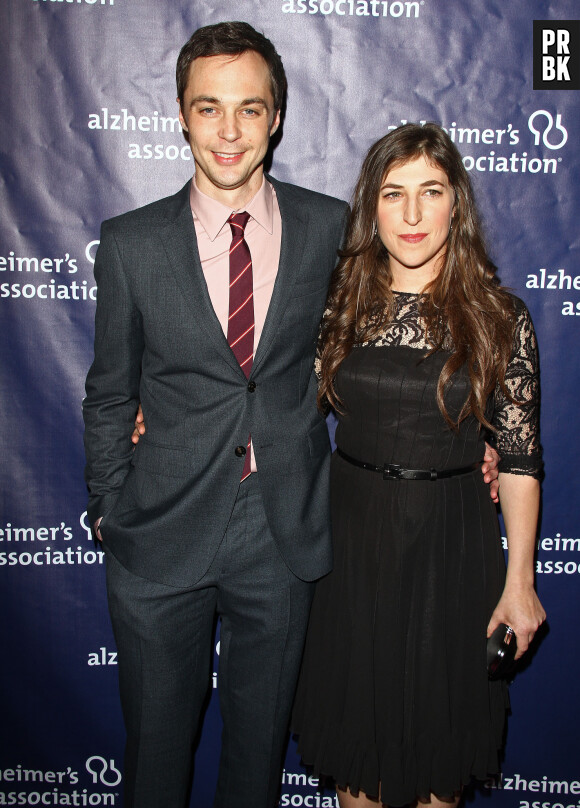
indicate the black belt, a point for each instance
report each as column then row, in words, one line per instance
column 392, row 471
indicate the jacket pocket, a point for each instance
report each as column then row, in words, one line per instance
column 167, row 461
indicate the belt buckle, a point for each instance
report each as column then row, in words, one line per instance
column 392, row 471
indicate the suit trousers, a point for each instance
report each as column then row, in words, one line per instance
column 164, row 639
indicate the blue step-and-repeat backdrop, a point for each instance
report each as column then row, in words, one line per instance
column 89, row 129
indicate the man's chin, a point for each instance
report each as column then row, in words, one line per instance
column 228, row 180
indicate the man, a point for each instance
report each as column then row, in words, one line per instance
column 227, row 388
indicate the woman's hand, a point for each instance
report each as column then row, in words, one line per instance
column 519, row 605
column 520, row 608
column 139, row 426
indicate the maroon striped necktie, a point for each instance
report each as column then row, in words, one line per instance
column 241, row 312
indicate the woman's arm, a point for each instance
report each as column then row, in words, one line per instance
column 519, row 605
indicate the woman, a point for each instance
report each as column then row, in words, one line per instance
column 421, row 353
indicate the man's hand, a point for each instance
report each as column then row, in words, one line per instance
column 488, row 468
column 137, row 432
column 140, row 430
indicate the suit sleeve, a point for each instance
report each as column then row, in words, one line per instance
column 112, row 386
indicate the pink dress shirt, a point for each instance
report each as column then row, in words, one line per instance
column 263, row 235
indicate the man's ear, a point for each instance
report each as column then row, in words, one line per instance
column 181, row 118
column 275, row 122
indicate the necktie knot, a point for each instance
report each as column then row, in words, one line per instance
column 238, row 222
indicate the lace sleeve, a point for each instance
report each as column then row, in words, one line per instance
column 317, row 362
column 518, row 425
column 317, row 365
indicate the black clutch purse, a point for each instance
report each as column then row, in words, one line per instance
column 501, row 650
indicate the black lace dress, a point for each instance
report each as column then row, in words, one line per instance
column 393, row 687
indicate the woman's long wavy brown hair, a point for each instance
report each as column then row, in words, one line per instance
column 464, row 301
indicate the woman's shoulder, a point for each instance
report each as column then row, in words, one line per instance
column 517, row 303
column 524, row 333
column 519, row 309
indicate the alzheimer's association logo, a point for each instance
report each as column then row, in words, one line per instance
column 103, row 771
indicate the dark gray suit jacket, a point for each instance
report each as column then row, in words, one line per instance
column 166, row 505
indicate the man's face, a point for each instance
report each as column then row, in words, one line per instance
column 228, row 113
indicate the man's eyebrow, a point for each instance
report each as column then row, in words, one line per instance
column 208, row 99
column 255, row 100
column 204, row 99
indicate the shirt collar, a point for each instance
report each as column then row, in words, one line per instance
column 213, row 214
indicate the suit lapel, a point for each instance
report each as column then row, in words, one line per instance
column 180, row 243
column 294, row 226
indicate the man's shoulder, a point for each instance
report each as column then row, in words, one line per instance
column 296, row 194
column 154, row 214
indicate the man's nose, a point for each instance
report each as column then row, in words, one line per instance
column 230, row 129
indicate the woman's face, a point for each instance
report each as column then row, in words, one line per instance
column 414, row 213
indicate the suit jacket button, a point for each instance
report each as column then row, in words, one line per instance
column 240, row 451
column 251, row 386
